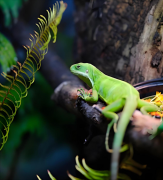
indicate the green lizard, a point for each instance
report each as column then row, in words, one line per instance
column 117, row 95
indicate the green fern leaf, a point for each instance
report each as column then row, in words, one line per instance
column 50, row 175
column 10, row 9
column 24, row 74
column 7, row 54
column 92, row 174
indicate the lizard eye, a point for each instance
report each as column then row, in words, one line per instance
column 78, row 67
column 86, row 71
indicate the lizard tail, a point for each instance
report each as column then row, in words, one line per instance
column 129, row 108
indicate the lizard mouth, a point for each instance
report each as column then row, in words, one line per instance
column 74, row 71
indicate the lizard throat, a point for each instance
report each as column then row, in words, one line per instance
column 85, row 77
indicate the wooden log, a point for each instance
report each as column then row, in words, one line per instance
column 122, row 38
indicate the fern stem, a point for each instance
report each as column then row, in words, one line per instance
column 35, row 54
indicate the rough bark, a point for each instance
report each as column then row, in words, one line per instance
column 123, row 38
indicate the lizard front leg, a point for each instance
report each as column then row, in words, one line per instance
column 87, row 96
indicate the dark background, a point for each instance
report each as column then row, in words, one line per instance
column 42, row 136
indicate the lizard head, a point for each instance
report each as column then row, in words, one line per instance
column 84, row 71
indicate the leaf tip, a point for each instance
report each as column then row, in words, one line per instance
column 38, row 177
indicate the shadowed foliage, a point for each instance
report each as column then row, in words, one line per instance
column 24, row 74
column 6, row 59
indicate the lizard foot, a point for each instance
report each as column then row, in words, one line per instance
column 83, row 94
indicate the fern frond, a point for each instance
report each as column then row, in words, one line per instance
column 50, row 175
column 10, row 9
column 92, row 174
column 7, row 54
column 24, row 74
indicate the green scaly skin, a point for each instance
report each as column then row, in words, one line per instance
column 117, row 95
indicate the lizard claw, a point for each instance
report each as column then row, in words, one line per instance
column 81, row 90
column 83, row 94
